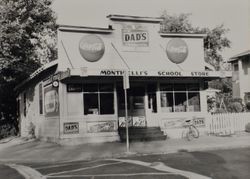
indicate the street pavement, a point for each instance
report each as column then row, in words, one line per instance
column 216, row 164
column 199, row 158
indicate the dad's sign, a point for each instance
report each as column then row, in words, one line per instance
column 71, row 128
column 135, row 35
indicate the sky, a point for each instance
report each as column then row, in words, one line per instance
column 234, row 14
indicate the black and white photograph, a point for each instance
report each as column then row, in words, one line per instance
column 124, row 89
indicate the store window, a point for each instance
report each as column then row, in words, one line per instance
column 24, row 104
column 40, row 98
column 151, row 90
column 180, row 97
column 98, row 99
column 235, row 67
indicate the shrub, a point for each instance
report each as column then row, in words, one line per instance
column 31, row 130
column 247, row 128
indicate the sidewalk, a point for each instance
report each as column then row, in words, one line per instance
column 19, row 150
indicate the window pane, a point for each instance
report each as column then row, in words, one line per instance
column 180, row 102
column 152, row 88
column 167, row 102
column 106, row 87
column 179, row 87
column 107, row 103
column 90, row 103
column 152, row 102
column 193, row 87
column 74, row 88
column 166, row 87
column 194, row 101
column 90, row 87
column 138, row 102
column 41, row 98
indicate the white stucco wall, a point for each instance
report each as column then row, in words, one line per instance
column 153, row 57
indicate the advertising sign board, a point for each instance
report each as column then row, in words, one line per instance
column 91, row 48
column 51, row 101
column 177, row 50
column 71, row 128
column 135, row 35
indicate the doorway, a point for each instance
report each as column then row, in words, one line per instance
column 135, row 106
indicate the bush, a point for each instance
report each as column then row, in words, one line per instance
column 247, row 128
column 31, row 130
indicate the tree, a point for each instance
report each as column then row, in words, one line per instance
column 27, row 39
column 214, row 43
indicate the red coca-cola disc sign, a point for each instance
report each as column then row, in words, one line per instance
column 91, row 48
column 177, row 50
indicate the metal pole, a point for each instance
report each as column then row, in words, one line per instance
column 126, row 118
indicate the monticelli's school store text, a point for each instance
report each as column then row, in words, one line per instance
column 80, row 96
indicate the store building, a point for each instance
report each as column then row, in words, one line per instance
column 80, row 97
column 241, row 75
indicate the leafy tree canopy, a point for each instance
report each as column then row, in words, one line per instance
column 214, row 43
column 27, row 39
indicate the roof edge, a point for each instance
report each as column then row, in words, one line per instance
column 234, row 58
column 75, row 28
column 37, row 72
column 135, row 18
column 182, row 35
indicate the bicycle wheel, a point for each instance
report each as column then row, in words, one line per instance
column 194, row 131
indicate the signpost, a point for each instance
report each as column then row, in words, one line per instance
column 125, row 87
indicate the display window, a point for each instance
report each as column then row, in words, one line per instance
column 180, row 97
column 98, row 99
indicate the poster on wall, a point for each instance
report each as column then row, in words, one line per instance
column 51, row 101
column 71, row 128
column 122, row 121
column 172, row 123
column 139, row 121
column 105, row 126
column 135, row 37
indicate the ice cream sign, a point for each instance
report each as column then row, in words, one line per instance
column 177, row 50
column 91, row 48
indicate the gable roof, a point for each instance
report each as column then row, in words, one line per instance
column 245, row 53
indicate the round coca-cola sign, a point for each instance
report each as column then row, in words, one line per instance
column 177, row 50
column 91, row 48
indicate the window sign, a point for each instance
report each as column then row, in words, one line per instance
column 74, row 87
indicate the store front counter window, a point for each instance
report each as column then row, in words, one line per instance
column 180, row 97
column 98, row 99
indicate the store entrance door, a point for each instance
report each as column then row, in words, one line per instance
column 136, row 106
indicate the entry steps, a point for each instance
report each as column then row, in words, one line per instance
column 142, row 134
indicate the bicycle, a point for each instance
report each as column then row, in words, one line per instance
column 191, row 130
